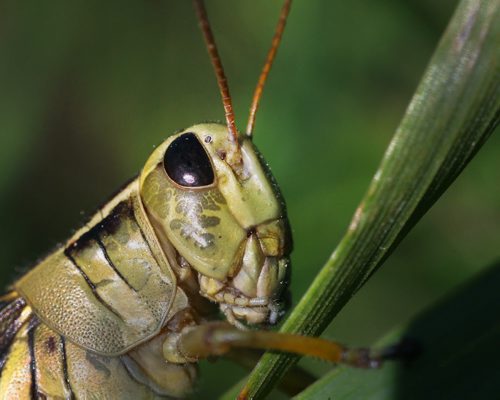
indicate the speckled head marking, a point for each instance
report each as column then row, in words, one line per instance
column 231, row 228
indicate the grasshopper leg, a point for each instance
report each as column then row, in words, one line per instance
column 218, row 338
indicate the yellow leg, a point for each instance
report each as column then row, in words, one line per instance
column 217, row 338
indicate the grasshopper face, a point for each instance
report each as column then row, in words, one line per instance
column 229, row 226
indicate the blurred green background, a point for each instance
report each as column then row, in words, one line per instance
column 87, row 88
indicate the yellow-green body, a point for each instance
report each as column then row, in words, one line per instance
column 100, row 316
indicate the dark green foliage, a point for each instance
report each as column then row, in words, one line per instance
column 459, row 357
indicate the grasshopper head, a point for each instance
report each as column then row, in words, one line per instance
column 229, row 224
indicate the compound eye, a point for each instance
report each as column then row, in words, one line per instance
column 186, row 162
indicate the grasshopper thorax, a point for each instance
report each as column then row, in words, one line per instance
column 230, row 226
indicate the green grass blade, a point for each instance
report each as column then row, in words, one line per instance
column 452, row 113
column 459, row 359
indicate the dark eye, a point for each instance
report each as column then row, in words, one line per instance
column 186, row 162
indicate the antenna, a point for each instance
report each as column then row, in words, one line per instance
column 219, row 70
column 201, row 12
column 280, row 27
